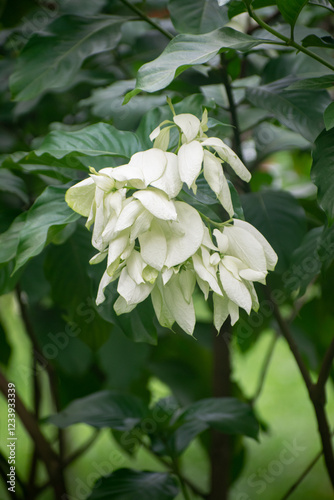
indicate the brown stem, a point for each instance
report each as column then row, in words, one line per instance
column 44, row 450
column 316, row 391
column 220, row 456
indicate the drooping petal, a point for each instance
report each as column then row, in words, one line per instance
column 251, row 275
column 170, row 181
column 220, row 310
column 189, row 125
column 227, row 154
column 190, row 158
column 269, row 252
column 129, row 173
column 131, row 210
column 163, row 314
column 214, row 175
column 105, row 280
column 121, row 306
column 243, row 245
column 206, row 274
column 181, row 247
column 183, row 312
column 157, row 202
column 152, row 164
column 80, row 197
column 153, row 246
column 135, row 266
column 141, row 224
column 207, row 241
column 130, row 290
column 154, row 134
column 233, row 310
column 187, row 283
column 222, row 241
column 235, row 290
column 117, row 247
column 162, row 141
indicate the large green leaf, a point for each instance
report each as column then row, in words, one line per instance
column 199, row 16
column 185, row 51
column 313, row 83
column 102, row 409
column 100, row 139
column 51, row 59
column 270, row 138
column 13, row 184
column 128, row 484
column 291, row 9
column 322, row 172
column 301, row 111
column 280, row 219
column 227, row 415
column 329, row 116
column 49, row 211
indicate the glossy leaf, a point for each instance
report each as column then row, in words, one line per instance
column 13, row 184
column 322, row 172
column 329, row 116
column 326, row 42
column 278, row 216
column 51, row 59
column 185, row 51
column 128, row 484
column 95, row 140
column 199, row 16
column 49, row 211
column 102, row 409
column 301, row 111
column 291, row 9
column 313, row 83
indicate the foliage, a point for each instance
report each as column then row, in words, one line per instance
column 263, row 70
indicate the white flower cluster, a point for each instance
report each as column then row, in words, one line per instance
column 157, row 245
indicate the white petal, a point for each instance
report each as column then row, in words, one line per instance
column 163, row 314
column 269, row 252
column 189, row 124
column 251, row 275
column 233, row 309
column 80, row 197
column 152, row 163
column 105, row 280
column 190, row 158
column 220, row 310
column 154, row 134
column 130, row 291
column 141, row 224
column 222, row 240
column 170, row 181
column 214, row 175
column 166, row 275
column 132, row 209
column 227, row 154
column 181, row 248
column 205, row 274
column 187, row 283
column 157, row 202
column 104, row 182
column 135, row 266
column 204, row 287
column 242, row 244
column 121, row 306
column 117, row 247
column 207, row 241
column 153, row 246
column 162, row 141
column 129, row 173
column 183, row 312
column 233, row 265
column 235, row 290
column 99, row 257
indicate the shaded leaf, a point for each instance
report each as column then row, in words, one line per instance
column 313, row 83
column 13, row 184
column 95, row 140
column 329, row 116
column 102, row 409
column 291, row 9
column 199, row 16
column 322, row 172
column 128, row 484
column 51, row 59
column 326, row 42
column 185, row 51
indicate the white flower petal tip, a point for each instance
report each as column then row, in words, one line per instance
column 229, row 156
column 157, row 202
column 190, row 158
column 189, row 125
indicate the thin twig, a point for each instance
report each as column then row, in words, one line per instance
column 264, row 368
column 326, row 367
column 147, row 19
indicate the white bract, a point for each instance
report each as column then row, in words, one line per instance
column 157, row 245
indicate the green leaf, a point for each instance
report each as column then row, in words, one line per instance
column 128, row 484
column 326, row 42
column 9, row 240
column 329, row 116
column 279, row 217
column 236, row 7
column 227, row 415
column 102, row 409
column 314, row 83
column 13, row 184
column 49, row 211
column 322, row 172
column 291, row 9
column 270, row 138
column 95, row 140
column 199, row 16
column 5, row 347
column 301, row 111
column 185, row 51
column 51, row 59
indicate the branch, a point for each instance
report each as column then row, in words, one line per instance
column 288, row 41
column 264, row 368
column 147, row 19
column 46, row 453
column 325, row 367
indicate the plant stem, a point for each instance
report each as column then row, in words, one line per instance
column 181, row 479
column 326, row 367
column 264, row 368
column 315, row 391
column 285, row 39
column 147, row 19
column 220, row 456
